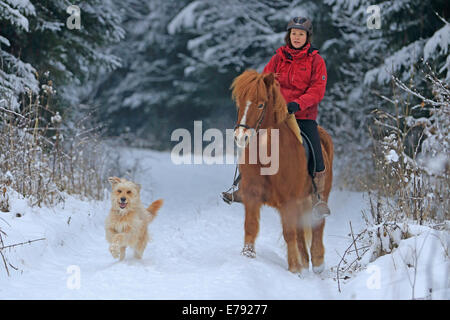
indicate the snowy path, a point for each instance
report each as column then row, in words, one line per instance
column 195, row 252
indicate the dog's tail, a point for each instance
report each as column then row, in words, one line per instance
column 153, row 209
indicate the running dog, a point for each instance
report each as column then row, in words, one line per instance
column 128, row 219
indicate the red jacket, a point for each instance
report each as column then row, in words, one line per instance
column 302, row 76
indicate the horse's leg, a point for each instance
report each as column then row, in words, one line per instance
column 251, row 226
column 303, row 228
column 317, row 247
column 289, row 214
column 302, row 247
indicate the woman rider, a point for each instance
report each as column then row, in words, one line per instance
column 302, row 75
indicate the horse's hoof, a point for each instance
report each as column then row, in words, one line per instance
column 295, row 268
column 249, row 251
column 319, row 269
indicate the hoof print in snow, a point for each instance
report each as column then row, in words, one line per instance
column 249, row 251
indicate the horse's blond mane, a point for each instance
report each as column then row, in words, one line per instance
column 254, row 86
column 249, row 84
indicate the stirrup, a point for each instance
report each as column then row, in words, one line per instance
column 226, row 199
column 229, row 197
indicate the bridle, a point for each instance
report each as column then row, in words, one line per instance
column 258, row 124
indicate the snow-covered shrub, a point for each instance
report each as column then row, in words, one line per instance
column 34, row 37
column 42, row 157
column 4, row 200
column 411, row 148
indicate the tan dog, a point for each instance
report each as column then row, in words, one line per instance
column 127, row 222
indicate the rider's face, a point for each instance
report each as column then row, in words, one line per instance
column 298, row 37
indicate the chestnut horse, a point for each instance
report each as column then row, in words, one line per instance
column 261, row 106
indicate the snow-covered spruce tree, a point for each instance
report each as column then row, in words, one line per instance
column 15, row 74
column 409, row 30
column 144, row 84
column 34, row 38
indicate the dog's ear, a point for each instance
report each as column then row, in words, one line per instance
column 114, row 180
column 138, row 187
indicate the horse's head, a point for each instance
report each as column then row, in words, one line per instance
column 259, row 104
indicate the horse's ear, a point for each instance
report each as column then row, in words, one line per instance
column 269, row 79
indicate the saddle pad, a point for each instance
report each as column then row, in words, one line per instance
column 292, row 124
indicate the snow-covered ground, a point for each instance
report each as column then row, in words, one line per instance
column 195, row 252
